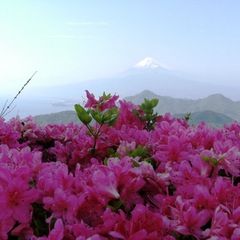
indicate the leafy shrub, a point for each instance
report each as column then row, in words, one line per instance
column 129, row 174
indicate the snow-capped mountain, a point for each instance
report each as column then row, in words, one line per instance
column 147, row 65
column 150, row 63
column 147, row 74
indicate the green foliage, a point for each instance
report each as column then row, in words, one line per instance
column 147, row 114
column 187, row 117
column 211, row 160
column 143, row 153
column 135, row 163
column 107, row 117
column 82, row 114
column 113, row 153
column 115, row 204
column 179, row 236
column 106, row 97
column 39, row 223
column 140, row 151
column 148, row 105
column 171, row 189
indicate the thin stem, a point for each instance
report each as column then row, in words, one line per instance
column 5, row 109
column 95, row 135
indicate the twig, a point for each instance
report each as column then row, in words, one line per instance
column 5, row 109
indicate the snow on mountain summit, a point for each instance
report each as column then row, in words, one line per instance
column 149, row 63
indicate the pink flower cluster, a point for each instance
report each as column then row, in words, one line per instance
column 172, row 182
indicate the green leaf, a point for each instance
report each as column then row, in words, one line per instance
column 112, row 120
column 150, row 118
column 151, row 161
column 214, row 161
column 140, row 151
column 91, row 150
column 106, row 97
column 115, row 204
column 136, row 112
column 82, row 114
column 154, row 102
column 135, row 163
column 148, row 105
column 39, row 225
column 97, row 116
column 171, row 189
column 52, row 223
column 187, row 116
column 32, row 183
column 113, row 153
column 105, row 162
column 110, row 117
column 205, row 158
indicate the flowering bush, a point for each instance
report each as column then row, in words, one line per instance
column 129, row 175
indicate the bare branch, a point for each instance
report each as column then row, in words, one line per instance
column 7, row 109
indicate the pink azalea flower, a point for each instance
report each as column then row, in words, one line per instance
column 143, row 218
column 221, row 223
column 140, row 235
column 93, row 237
column 231, row 161
column 105, row 183
column 23, row 231
column 16, row 199
column 57, row 233
column 231, row 195
column 62, row 204
column 190, row 220
column 81, row 230
column 202, row 197
column 236, row 215
column 236, row 234
column 9, row 135
column 53, row 175
column 130, row 181
column 127, row 117
column 102, row 104
column 143, row 224
column 92, row 102
column 5, row 227
column 203, row 168
column 110, row 103
column 90, row 208
column 120, row 197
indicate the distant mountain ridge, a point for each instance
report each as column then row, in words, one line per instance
column 213, row 119
column 216, row 103
column 63, row 117
column 216, row 110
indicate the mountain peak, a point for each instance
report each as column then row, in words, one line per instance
column 149, row 63
column 219, row 97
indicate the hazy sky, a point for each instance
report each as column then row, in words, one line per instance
column 69, row 41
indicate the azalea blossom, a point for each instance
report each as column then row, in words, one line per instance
column 16, row 199
column 175, row 181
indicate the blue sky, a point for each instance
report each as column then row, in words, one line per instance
column 70, row 41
